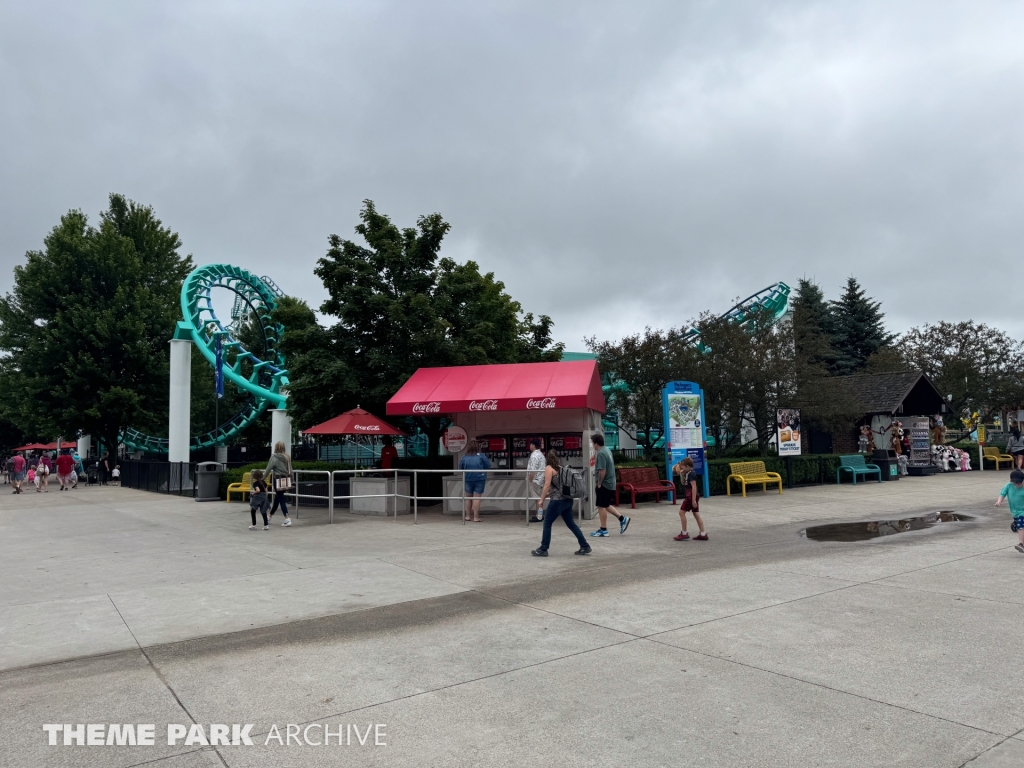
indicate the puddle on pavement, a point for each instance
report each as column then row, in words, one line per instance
column 873, row 529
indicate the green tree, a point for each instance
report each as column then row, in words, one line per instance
column 399, row 306
column 814, row 326
column 981, row 367
column 639, row 367
column 86, row 327
column 859, row 329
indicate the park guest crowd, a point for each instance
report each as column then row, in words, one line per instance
column 37, row 468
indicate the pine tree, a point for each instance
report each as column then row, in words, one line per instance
column 859, row 329
column 813, row 326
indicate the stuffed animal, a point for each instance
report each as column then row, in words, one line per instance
column 865, row 439
column 902, row 461
column 965, row 461
column 896, row 438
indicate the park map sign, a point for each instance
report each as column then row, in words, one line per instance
column 683, row 405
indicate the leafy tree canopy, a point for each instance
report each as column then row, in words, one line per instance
column 86, row 327
column 399, row 306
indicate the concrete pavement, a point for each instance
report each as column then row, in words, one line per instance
column 756, row 648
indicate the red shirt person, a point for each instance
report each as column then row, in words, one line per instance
column 65, row 464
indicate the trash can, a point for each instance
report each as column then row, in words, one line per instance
column 887, row 462
column 208, row 480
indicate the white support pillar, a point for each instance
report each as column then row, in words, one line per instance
column 179, row 422
column 84, row 444
column 281, row 429
column 220, row 453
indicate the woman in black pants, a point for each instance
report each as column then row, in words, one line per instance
column 559, row 506
column 280, row 466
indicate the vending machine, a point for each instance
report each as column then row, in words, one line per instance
column 521, row 449
column 495, row 447
column 569, row 447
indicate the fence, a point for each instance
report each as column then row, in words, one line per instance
column 334, row 490
column 177, row 478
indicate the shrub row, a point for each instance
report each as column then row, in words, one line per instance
column 807, row 470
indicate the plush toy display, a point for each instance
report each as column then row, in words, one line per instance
column 896, row 437
column 939, row 432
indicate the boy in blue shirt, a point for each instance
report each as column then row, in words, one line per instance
column 1013, row 492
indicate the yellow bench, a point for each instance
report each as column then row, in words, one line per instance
column 242, row 487
column 746, row 472
column 993, row 454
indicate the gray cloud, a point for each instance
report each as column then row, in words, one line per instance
column 662, row 159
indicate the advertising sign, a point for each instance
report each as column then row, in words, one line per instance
column 788, row 433
column 454, row 439
column 683, row 407
column 981, row 434
column 920, row 440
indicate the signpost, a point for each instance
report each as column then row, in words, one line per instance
column 981, row 447
column 454, row 439
column 788, row 438
column 686, row 435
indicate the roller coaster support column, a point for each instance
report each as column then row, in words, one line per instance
column 179, row 428
column 281, row 429
column 84, row 444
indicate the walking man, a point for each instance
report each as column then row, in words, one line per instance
column 65, row 468
column 535, row 472
column 19, row 465
column 604, row 482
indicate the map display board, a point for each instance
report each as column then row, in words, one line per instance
column 685, row 434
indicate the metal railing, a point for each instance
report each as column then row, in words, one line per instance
column 177, row 478
column 393, row 490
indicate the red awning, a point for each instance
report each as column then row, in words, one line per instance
column 354, row 422
column 513, row 387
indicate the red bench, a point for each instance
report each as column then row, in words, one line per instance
column 641, row 480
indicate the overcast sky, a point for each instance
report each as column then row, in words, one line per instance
column 615, row 164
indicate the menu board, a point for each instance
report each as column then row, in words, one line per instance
column 567, row 442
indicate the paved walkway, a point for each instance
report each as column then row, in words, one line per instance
column 756, row 648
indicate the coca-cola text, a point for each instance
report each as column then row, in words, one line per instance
column 547, row 402
column 434, row 407
column 484, row 405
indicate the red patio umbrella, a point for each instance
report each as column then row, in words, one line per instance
column 354, row 422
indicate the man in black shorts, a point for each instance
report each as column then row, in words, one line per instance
column 604, row 481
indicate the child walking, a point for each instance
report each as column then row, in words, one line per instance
column 1013, row 492
column 691, row 500
column 258, row 500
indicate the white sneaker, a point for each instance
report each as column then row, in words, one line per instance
column 266, row 527
column 286, row 523
column 252, row 527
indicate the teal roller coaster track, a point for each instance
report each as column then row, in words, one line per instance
column 267, row 381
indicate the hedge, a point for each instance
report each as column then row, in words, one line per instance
column 814, row 469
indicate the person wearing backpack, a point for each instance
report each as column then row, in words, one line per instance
column 691, row 499
column 561, row 485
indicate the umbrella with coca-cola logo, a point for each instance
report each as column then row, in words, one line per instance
column 354, row 422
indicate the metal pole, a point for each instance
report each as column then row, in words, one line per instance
column 330, row 498
column 395, row 496
column 415, row 496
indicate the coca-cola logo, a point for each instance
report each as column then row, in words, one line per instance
column 434, row 407
column 547, row 402
column 484, row 405
column 367, row 428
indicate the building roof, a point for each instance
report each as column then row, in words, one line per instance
column 886, row 392
column 507, row 387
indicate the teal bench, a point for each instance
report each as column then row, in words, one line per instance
column 856, row 465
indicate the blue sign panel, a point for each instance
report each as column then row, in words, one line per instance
column 685, row 433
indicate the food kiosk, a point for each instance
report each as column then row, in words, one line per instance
column 502, row 406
